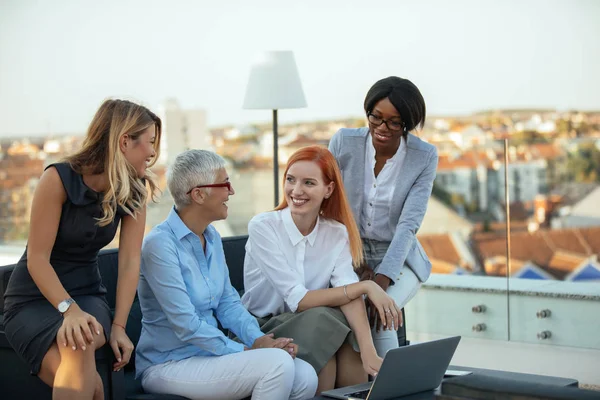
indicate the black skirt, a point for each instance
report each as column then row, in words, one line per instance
column 31, row 329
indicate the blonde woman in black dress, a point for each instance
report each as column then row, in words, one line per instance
column 56, row 314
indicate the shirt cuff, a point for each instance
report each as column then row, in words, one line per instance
column 253, row 334
column 235, row 346
column 390, row 274
column 296, row 295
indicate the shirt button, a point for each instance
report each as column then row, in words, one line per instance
column 374, row 185
column 369, row 224
column 371, row 204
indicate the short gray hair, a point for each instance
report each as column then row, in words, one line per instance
column 192, row 168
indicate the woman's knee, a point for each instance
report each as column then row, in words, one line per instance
column 78, row 356
column 99, row 339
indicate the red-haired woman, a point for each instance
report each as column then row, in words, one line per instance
column 299, row 268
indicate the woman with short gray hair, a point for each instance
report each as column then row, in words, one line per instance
column 185, row 292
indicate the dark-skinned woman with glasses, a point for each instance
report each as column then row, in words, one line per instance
column 388, row 173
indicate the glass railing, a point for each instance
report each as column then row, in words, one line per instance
column 554, row 274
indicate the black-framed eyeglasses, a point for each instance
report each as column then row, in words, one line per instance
column 391, row 125
column 214, row 185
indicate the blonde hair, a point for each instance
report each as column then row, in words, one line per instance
column 335, row 207
column 100, row 153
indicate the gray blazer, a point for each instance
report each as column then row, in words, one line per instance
column 411, row 195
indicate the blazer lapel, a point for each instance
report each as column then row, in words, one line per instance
column 354, row 181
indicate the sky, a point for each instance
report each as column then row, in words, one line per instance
column 60, row 59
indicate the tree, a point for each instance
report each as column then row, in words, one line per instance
column 584, row 165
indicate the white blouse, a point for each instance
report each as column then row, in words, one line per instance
column 282, row 265
column 375, row 214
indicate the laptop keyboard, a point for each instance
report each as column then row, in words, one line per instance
column 359, row 395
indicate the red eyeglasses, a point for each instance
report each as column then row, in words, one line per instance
column 214, row 185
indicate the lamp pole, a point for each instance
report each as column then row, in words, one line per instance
column 275, row 158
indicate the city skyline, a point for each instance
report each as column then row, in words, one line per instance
column 465, row 57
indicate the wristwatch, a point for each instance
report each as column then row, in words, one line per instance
column 64, row 305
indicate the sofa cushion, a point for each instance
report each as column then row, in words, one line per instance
column 234, row 248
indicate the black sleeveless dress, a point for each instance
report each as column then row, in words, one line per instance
column 30, row 321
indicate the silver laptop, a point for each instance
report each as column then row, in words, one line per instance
column 405, row 370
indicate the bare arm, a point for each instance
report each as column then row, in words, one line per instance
column 356, row 314
column 46, row 210
column 130, row 247
column 334, row 297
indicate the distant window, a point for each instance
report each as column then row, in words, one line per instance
column 589, row 273
column 531, row 274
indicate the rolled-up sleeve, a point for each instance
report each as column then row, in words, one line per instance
column 161, row 269
column 263, row 247
column 343, row 271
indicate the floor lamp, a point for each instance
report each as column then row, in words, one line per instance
column 274, row 84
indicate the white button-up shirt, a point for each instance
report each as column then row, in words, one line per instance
column 379, row 191
column 282, row 265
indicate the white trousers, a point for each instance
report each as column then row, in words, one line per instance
column 266, row 374
column 405, row 287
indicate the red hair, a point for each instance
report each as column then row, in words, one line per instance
column 336, row 207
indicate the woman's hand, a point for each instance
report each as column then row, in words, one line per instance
column 382, row 308
column 371, row 362
column 267, row 341
column 279, row 343
column 78, row 329
column 292, row 348
column 364, row 272
column 121, row 345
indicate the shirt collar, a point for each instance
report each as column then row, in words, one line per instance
column 292, row 230
column 180, row 229
column 371, row 149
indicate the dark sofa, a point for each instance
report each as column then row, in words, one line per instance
column 15, row 381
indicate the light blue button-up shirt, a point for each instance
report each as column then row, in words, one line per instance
column 183, row 290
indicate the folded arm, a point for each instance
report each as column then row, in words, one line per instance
column 288, row 283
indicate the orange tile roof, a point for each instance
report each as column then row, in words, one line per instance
column 592, row 238
column 441, row 267
column 547, row 151
column 569, row 240
column 524, row 246
column 497, row 266
column 563, row 263
column 558, row 252
column 440, row 247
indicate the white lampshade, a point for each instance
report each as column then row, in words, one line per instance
column 274, row 83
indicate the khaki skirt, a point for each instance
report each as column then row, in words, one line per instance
column 319, row 333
